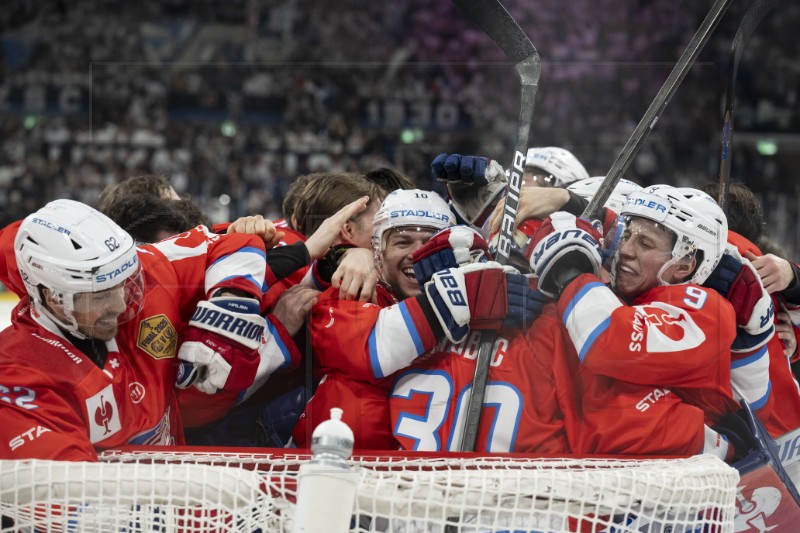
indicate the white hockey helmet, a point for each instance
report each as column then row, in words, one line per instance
column 587, row 188
column 71, row 248
column 699, row 226
column 408, row 208
column 558, row 162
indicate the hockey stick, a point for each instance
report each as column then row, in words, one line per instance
column 750, row 21
column 656, row 109
column 491, row 17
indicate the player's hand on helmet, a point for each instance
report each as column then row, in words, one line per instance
column 737, row 280
column 564, row 247
column 221, row 345
column 451, row 247
column 473, row 296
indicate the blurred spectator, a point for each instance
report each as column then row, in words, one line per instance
column 233, row 100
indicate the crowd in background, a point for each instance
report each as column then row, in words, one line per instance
column 235, row 99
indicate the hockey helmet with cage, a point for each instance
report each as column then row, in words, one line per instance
column 408, row 208
column 71, row 248
column 697, row 224
column 588, row 187
column 561, row 166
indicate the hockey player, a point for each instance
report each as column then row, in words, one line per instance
column 658, row 327
column 551, row 166
column 534, row 393
column 90, row 360
column 530, row 404
column 359, row 346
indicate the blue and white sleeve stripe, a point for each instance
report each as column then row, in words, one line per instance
column 588, row 315
column 394, row 341
column 247, row 263
column 750, row 377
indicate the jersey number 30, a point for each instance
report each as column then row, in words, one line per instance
column 428, row 419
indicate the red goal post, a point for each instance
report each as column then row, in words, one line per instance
column 157, row 489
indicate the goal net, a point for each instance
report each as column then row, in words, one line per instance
column 204, row 491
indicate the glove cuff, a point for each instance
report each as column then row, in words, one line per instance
column 234, row 318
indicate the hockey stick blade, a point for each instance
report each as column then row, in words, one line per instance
column 657, row 106
column 747, row 26
column 491, row 17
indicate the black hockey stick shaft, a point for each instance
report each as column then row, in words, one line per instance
column 750, row 21
column 497, row 23
column 657, row 106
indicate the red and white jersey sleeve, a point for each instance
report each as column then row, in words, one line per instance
column 205, row 261
column 675, row 336
column 357, row 345
column 366, row 341
column 528, row 404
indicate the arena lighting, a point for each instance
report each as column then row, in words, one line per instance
column 30, row 121
column 407, row 136
column 228, row 129
column 767, row 147
column 411, row 135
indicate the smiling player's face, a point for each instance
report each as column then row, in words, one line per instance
column 398, row 271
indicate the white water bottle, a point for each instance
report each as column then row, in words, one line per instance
column 327, row 485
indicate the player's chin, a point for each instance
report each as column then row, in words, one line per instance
column 104, row 331
column 625, row 287
column 409, row 287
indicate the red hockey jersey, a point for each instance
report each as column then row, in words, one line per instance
column 58, row 404
column 357, row 347
column 529, row 405
column 676, row 337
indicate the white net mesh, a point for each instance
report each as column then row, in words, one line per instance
column 182, row 491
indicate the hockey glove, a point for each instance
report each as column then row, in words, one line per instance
column 467, row 169
column 524, row 303
column 474, row 184
column 473, row 296
column 564, row 247
column 220, row 348
column 736, row 279
column 449, row 248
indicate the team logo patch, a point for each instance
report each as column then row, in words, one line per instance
column 669, row 329
column 157, row 337
column 103, row 415
column 137, row 391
